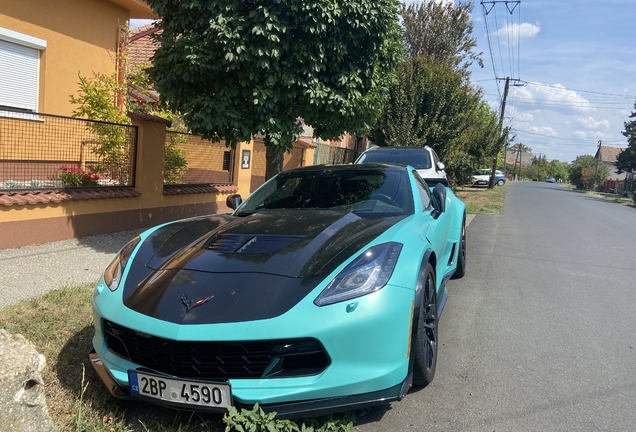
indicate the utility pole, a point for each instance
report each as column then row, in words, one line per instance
column 598, row 157
column 501, row 117
column 517, row 176
column 539, row 169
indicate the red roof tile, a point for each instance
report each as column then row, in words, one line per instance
column 184, row 189
column 141, row 46
column 609, row 154
column 23, row 197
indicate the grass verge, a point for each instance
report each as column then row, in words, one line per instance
column 483, row 200
column 60, row 324
column 611, row 197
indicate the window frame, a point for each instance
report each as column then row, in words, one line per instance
column 20, row 46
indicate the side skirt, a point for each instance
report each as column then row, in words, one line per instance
column 442, row 301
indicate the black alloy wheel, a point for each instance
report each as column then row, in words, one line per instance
column 424, row 344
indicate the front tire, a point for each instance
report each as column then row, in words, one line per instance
column 460, row 271
column 424, row 344
column 501, row 182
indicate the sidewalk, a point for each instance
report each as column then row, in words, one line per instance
column 32, row 271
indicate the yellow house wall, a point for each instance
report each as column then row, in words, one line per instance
column 81, row 35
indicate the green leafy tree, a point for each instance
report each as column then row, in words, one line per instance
column 432, row 104
column 584, row 174
column 626, row 160
column 558, row 169
column 235, row 68
column 442, row 31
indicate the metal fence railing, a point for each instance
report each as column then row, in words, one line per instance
column 328, row 154
column 189, row 159
column 43, row 151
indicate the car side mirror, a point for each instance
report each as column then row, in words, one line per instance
column 440, row 166
column 439, row 193
column 233, row 201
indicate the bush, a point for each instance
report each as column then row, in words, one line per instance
column 73, row 176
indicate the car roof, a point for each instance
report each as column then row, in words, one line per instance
column 386, row 166
column 396, row 148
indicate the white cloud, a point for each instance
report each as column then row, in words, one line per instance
column 590, row 135
column 554, row 97
column 523, row 117
column 543, row 130
column 510, row 33
column 591, row 124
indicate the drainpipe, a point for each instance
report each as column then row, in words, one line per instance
column 121, row 42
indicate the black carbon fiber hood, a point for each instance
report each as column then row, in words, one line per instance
column 229, row 269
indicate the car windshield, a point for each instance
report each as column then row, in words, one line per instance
column 368, row 192
column 418, row 159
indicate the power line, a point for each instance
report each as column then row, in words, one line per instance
column 582, row 91
column 563, row 88
column 573, row 140
column 549, row 102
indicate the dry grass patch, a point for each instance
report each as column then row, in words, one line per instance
column 483, row 200
column 60, row 324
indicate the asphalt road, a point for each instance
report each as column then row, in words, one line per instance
column 540, row 334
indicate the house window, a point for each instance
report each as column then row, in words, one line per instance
column 19, row 71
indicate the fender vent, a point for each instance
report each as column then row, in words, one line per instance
column 241, row 243
column 451, row 260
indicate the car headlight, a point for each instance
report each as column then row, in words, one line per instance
column 114, row 271
column 366, row 274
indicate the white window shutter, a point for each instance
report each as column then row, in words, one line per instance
column 19, row 73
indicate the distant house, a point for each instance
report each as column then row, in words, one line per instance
column 44, row 44
column 608, row 155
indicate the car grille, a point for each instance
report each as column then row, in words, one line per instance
column 218, row 360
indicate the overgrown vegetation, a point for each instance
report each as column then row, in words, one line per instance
column 60, row 326
column 586, row 172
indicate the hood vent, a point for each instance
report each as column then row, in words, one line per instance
column 241, row 243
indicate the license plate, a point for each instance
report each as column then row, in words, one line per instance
column 186, row 392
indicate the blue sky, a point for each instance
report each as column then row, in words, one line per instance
column 577, row 63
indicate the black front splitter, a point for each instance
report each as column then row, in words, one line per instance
column 300, row 409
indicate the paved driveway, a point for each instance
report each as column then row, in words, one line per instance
column 32, row 271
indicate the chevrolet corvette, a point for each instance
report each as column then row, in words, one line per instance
column 320, row 292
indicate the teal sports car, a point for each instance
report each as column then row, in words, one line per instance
column 321, row 292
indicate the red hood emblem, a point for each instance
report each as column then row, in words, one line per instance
column 189, row 304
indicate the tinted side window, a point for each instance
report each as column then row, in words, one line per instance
column 423, row 191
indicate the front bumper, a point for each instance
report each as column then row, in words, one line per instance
column 307, row 408
column 366, row 339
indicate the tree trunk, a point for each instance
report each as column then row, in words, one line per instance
column 273, row 161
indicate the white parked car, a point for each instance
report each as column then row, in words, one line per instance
column 482, row 178
column 423, row 159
